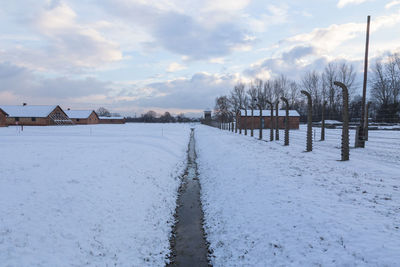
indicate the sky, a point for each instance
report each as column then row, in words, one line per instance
column 132, row 56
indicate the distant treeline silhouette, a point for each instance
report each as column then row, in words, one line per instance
column 152, row 117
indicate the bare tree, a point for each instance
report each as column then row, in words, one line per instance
column 103, row 112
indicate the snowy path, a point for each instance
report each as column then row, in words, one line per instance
column 268, row 205
column 89, row 195
column 189, row 244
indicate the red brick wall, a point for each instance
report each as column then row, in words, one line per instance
column 93, row 119
column 3, row 119
column 111, row 121
column 294, row 122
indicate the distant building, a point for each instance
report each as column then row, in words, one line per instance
column 3, row 118
column 83, row 116
column 111, row 120
column 207, row 115
column 36, row 115
column 294, row 119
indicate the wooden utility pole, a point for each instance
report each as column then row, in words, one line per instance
column 360, row 133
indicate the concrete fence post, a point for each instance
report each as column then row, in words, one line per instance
column 240, row 121
column 309, row 121
column 245, row 121
column 252, row 122
column 236, row 120
column 345, row 127
column 323, row 121
column 286, row 121
column 366, row 119
column 277, row 120
column 271, row 122
column 260, row 132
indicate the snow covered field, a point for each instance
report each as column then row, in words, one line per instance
column 270, row 205
column 89, row 195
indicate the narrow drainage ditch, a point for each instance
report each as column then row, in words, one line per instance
column 188, row 244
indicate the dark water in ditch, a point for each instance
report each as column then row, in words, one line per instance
column 189, row 245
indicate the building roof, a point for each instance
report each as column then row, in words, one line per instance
column 111, row 118
column 79, row 114
column 2, row 111
column 267, row 113
column 28, row 111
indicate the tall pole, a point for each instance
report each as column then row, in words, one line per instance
column 361, row 130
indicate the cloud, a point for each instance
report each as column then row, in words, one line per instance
column 330, row 40
column 173, row 67
column 291, row 63
column 195, row 93
column 196, row 30
column 24, row 84
column 392, row 4
column 65, row 44
column 343, row 3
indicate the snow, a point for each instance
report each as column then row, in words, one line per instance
column 332, row 122
column 270, row 205
column 78, row 114
column 28, row 111
column 99, row 195
column 267, row 113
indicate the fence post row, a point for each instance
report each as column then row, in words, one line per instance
column 345, row 127
column 323, row 121
column 286, row 121
column 309, row 121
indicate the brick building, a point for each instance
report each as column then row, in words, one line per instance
column 111, row 120
column 36, row 115
column 3, row 118
column 83, row 116
column 294, row 119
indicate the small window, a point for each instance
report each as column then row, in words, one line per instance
column 16, row 118
column 77, row 119
column 33, row 119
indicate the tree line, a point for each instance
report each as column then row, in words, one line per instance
column 152, row 117
column 384, row 87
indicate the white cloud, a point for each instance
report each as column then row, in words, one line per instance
column 174, row 67
column 62, row 42
column 392, row 4
column 343, row 3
